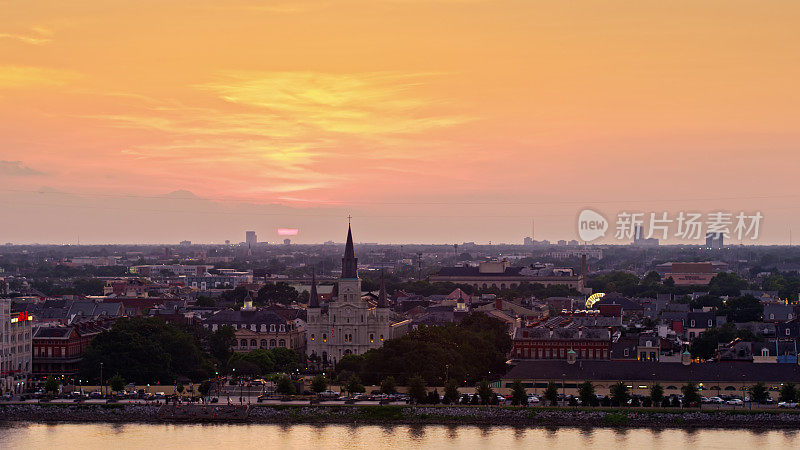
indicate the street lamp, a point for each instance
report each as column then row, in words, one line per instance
column 101, row 379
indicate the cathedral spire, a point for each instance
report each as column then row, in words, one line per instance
column 382, row 301
column 349, row 262
column 313, row 301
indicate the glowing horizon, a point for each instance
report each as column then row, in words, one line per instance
column 411, row 115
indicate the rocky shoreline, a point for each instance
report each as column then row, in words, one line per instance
column 421, row 415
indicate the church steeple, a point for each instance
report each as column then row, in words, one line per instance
column 382, row 301
column 349, row 262
column 313, row 301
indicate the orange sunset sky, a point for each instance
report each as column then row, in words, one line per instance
column 427, row 120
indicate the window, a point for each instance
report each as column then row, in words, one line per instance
column 692, row 323
column 282, row 343
column 272, row 328
column 788, row 332
column 764, row 352
column 772, row 316
column 312, row 337
column 243, row 343
column 252, row 343
column 272, row 343
column 626, row 352
column 283, row 328
column 263, row 343
column 710, row 323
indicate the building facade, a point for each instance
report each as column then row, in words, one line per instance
column 259, row 329
column 15, row 348
column 350, row 324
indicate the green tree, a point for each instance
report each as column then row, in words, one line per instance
column 518, row 394
column 276, row 293
column 204, row 388
column 759, row 393
column 470, row 351
column 586, row 393
column 705, row 345
column 144, row 349
column 656, row 394
column 388, row 385
column 485, row 392
column 220, row 343
column 620, row 394
column 319, row 384
column 691, row 395
column 451, row 394
column 788, row 393
column 417, row 390
column 117, row 383
column 286, row 359
column 51, row 385
column 726, row 283
column 743, row 309
column 259, row 362
column 284, row 385
column 551, row 393
column 354, row 385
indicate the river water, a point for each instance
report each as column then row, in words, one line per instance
column 150, row 436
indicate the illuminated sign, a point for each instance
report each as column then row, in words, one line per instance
column 593, row 299
column 21, row 317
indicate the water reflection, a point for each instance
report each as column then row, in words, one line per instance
column 334, row 437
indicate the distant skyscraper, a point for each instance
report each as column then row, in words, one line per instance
column 714, row 240
column 637, row 233
column 250, row 238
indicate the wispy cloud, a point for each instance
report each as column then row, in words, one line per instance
column 292, row 131
column 16, row 169
column 36, row 36
column 13, row 76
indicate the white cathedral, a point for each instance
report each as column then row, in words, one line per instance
column 349, row 324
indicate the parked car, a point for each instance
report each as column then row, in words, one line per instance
column 533, row 398
column 735, row 402
column 715, row 400
column 328, row 394
column 788, row 405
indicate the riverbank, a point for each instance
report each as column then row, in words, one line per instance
column 424, row 415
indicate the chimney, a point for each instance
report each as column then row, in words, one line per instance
column 583, row 266
column 551, row 331
column 580, row 332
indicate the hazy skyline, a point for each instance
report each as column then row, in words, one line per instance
column 429, row 121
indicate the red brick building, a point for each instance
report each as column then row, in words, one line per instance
column 58, row 350
column 554, row 343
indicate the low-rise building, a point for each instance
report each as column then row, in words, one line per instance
column 258, row 329
column 15, row 348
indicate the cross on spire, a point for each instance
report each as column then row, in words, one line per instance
column 348, row 218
